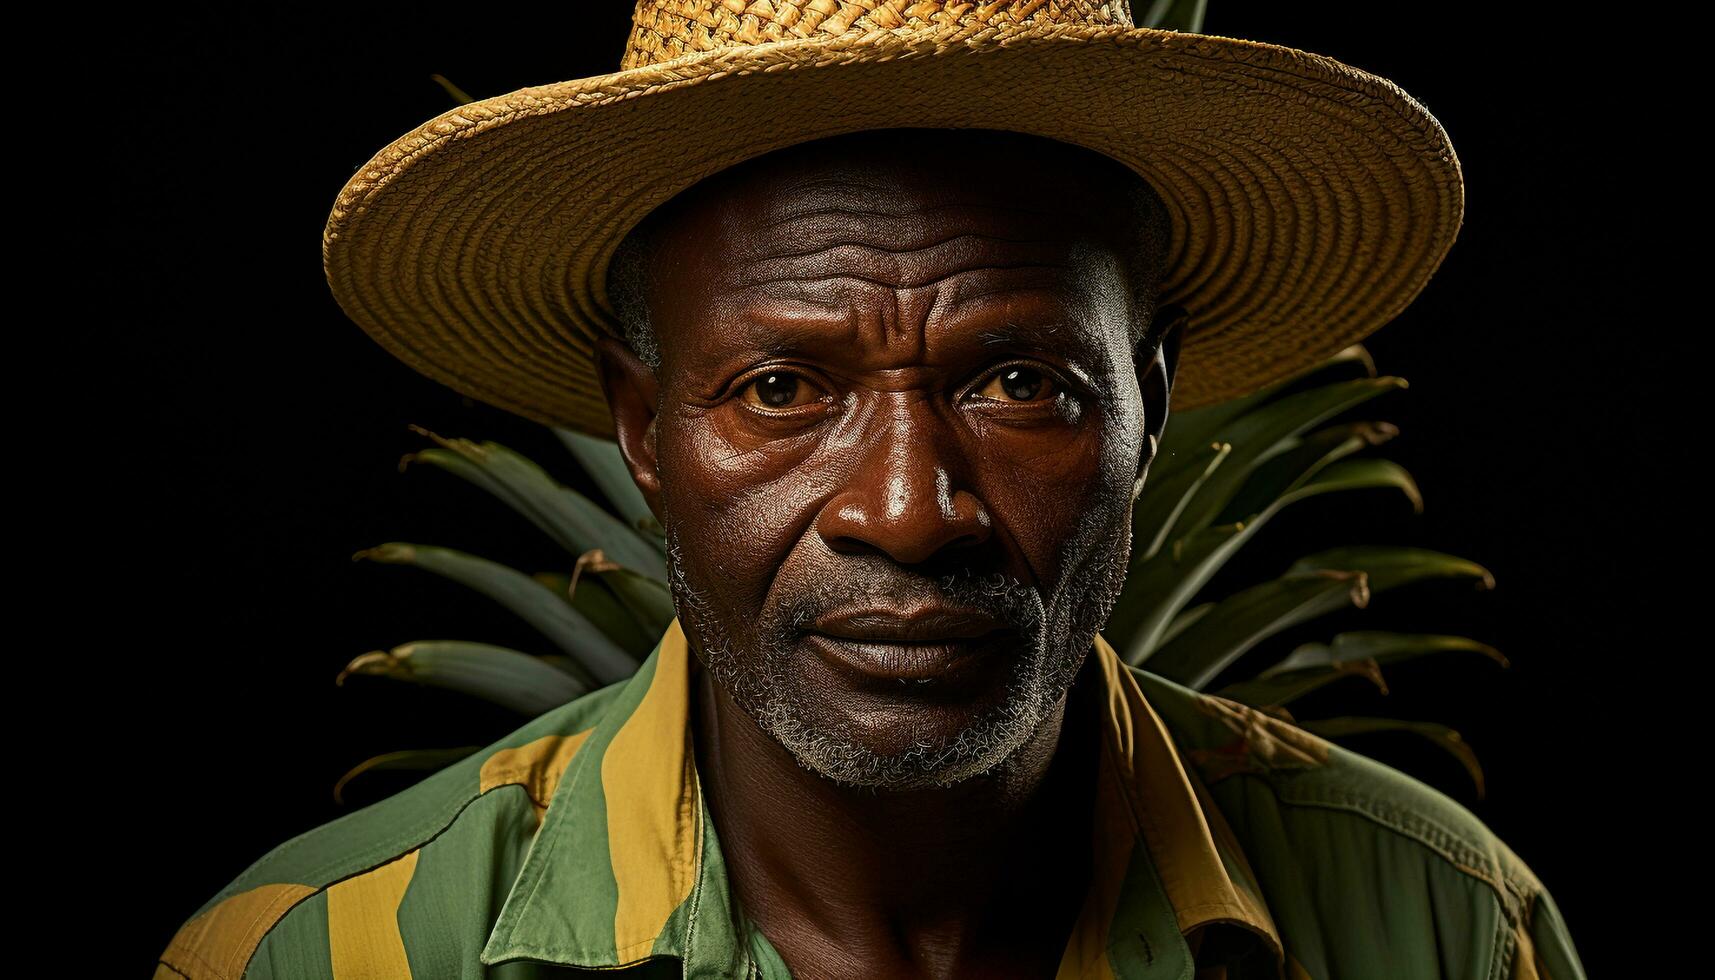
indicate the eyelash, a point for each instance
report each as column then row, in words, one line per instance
column 1053, row 377
column 1061, row 387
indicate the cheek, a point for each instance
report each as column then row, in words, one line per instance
column 737, row 510
column 1061, row 498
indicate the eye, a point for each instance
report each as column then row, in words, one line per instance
column 1019, row 383
column 779, row 389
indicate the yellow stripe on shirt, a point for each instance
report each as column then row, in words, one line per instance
column 653, row 826
column 536, row 766
column 363, row 922
column 219, row 943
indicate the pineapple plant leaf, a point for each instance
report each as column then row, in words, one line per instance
column 1220, row 636
column 1174, row 15
column 631, row 609
column 1362, row 653
column 607, row 468
column 520, row 681
column 1388, row 566
column 1158, row 587
column 573, row 520
column 424, row 759
column 1442, row 736
column 552, row 616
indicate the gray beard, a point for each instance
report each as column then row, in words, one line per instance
column 1057, row 641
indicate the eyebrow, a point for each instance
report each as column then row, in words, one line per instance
column 1049, row 334
column 768, row 334
column 780, row 337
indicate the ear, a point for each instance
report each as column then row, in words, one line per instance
column 633, row 394
column 1155, row 380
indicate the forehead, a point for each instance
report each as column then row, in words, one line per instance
column 966, row 218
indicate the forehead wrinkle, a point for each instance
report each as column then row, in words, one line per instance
column 925, row 264
column 892, row 284
column 812, row 216
column 834, row 242
column 967, row 289
column 913, row 229
column 815, row 228
column 863, row 192
column 792, row 298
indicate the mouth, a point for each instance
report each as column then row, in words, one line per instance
column 932, row 646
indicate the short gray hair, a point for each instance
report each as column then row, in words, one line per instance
column 627, row 291
column 1144, row 251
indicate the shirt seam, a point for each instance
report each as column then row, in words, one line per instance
column 365, row 870
column 396, row 847
column 188, row 952
column 1505, row 945
column 1443, row 843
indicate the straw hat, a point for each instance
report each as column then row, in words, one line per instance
column 1309, row 201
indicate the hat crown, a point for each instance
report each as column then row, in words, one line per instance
column 662, row 30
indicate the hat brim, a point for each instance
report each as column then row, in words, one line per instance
column 1310, row 201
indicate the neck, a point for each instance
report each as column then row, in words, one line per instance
column 921, row 875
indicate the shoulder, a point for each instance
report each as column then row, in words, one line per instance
column 464, row 828
column 1333, row 833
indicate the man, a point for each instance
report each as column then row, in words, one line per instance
column 892, row 392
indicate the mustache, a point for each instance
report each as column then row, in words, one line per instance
column 867, row 585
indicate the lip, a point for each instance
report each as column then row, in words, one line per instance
column 941, row 665
column 924, row 625
column 937, row 647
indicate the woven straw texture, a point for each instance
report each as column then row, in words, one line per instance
column 1310, row 202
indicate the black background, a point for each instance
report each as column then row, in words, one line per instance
column 249, row 434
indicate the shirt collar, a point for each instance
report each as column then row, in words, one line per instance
column 626, row 866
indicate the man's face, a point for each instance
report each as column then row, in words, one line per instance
column 898, row 428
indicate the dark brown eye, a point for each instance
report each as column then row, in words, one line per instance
column 1018, row 383
column 778, row 389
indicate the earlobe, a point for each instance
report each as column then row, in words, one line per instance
column 1151, row 446
column 1171, row 321
column 633, row 395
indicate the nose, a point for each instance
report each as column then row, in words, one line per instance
column 903, row 496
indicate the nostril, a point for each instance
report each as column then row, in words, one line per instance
column 911, row 528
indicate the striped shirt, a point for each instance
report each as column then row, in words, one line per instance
column 1227, row 845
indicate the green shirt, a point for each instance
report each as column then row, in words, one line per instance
column 1227, row 845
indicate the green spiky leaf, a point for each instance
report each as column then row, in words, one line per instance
column 596, row 601
column 1167, row 489
column 629, row 603
column 1359, row 653
column 1185, row 16
column 1307, row 457
column 1270, row 430
column 405, row 759
column 1380, row 646
column 529, row 599
column 574, row 521
column 1239, row 622
column 1157, row 589
column 647, row 599
column 1442, row 736
column 504, row 676
column 1281, row 689
column 602, row 460
column 1185, row 619
column 1389, row 566
column 1190, row 428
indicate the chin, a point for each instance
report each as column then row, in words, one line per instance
column 907, row 736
